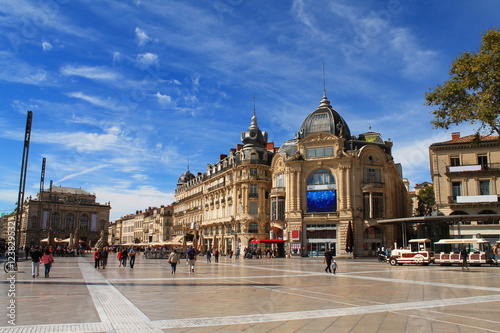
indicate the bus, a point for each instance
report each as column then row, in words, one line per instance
column 419, row 252
column 447, row 251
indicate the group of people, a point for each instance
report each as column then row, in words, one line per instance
column 126, row 254
column 101, row 258
column 41, row 256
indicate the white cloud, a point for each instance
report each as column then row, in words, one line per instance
column 126, row 199
column 117, row 57
column 142, row 37
column 145, row 60
column 90, row 72
column 163, row 100
column 107, row 103
column 46, row 46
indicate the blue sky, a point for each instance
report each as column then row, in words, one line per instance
column 124, row 93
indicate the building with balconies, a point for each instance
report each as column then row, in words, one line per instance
column 228, row 205
column 466, row 176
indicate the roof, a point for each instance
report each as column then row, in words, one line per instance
column 70, row 190
column 467, row 139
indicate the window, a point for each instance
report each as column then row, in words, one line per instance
column 278, row 209
column 84, row 222
column 484, row 187
column 456, row 189
column 55, row 220
column 371, row 175
column 321, row 192
column 70, row 221
column 319, row 152
column 482, row 159
column 253, row 208
column 373, row 205
column 253, row 172
column 321, row 177
column 253, row 228
column 253, row 191
column 280, row 180
column 454, row 161
column 320, row 122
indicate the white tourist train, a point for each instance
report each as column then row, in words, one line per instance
column 448, row 251
column 419, row 252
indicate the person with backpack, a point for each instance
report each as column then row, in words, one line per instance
column 191, row 259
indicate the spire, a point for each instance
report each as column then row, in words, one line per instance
column 253, row 124
column 324, row 101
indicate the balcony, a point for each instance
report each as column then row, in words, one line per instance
column 473, row 168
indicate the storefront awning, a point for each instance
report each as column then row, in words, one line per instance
column 268, row 241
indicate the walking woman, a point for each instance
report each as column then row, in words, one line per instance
column 173, row 259
column 47, row 260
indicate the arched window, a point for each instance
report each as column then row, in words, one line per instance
column 55, row 220
column 253, row 228
column 70, row 221
column 34, row 222
column 84, row 222
column 321, row 192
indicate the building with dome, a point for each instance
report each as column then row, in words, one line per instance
column 330, row 187
column 228, row 205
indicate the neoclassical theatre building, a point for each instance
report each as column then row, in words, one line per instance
column 306, row 193
column 330, row 187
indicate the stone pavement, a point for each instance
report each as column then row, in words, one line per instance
column 256, row 295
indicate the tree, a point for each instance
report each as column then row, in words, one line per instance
column 473, row 92
column 425, row 201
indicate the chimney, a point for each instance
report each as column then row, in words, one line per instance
column 455, row 135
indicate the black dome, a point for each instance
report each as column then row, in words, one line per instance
column 325, row 119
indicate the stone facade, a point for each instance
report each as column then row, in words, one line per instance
column 63, row 210
column 466, row 177
column 326, row 180
column 228, row 205
column 152, row 225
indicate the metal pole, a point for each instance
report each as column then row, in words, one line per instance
column 22, row 181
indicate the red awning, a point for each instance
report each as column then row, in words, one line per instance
column 269, row 241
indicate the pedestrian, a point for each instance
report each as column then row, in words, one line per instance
column 237, row 254
column 173, row 259
column 334, row 266
column 216, row 255
column 36, row 256
column 47, row 260
column 124, row 257
column 97, row 258
column 104, row 258
column 191, row 259
column 209, row 256
column 495, row 253
column 230, row 254
column 119, row 257
column 464, row 255
column 131, row 253
column 328, row 261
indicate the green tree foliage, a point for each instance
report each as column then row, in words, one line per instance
column 473, row 92
column 425, row 201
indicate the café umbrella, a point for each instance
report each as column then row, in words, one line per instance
column 349, row 241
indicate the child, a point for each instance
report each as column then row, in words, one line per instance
column 334, row 266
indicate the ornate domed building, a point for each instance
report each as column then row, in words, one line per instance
column 228, row 205
column 329, row 188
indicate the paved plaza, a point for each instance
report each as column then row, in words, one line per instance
column 252, row 295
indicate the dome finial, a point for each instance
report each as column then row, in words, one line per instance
column 324, row 101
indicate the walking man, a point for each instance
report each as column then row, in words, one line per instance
column 191, row 258
column 36, row 255
column 328, row 261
